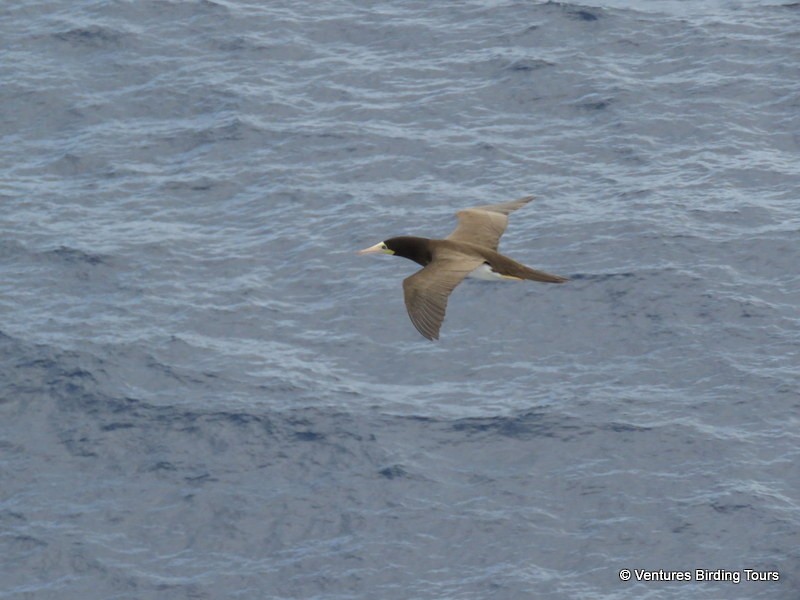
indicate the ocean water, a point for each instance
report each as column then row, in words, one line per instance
column 206, row 394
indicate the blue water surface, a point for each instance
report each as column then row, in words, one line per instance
column 206, row 394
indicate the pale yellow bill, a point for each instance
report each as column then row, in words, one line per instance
column 379, row 247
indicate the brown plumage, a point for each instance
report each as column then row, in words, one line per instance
column 470, row 250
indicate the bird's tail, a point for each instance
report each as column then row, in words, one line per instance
column 534, row 275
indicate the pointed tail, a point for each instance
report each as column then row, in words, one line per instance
column 534, row 275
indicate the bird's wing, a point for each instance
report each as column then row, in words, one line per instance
column 483, row 225
column 427, row 290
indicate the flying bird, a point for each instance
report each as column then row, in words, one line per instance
column 469, row 251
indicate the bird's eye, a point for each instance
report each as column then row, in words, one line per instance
column 383, row 247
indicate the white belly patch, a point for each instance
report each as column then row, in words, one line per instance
column 486, row 273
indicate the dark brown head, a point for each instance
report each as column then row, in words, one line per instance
column 413, row 248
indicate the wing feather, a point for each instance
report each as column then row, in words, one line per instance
column 426, row 291
column 484, row 225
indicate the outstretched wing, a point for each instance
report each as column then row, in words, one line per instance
column 427, row 290
column 483, row 225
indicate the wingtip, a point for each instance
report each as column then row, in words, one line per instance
column 432, row 336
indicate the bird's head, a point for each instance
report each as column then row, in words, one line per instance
column 412, row 248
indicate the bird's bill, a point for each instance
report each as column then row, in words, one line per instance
column 379, row 247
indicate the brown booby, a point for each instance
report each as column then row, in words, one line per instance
column 470, row 251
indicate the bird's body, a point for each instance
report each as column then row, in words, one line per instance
column 470, row 251
column 425, row 251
